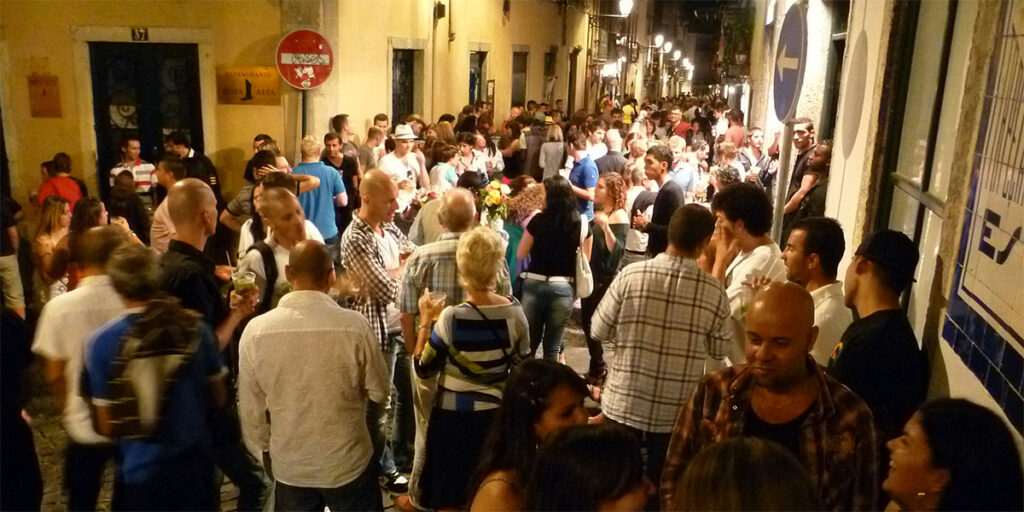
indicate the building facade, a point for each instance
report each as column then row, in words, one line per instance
column 922, row 101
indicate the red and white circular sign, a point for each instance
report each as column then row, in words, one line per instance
column 304, row 59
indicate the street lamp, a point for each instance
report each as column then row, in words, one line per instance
column 625, row 7
column 659, row 40
column 668, row 46
column 676, row 54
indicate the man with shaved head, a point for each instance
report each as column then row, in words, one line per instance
column 286, row 224
column 189, row 275
column 372, row 256
column 65, row 325
column 781, row 395
column 432, row 266
column 312, row 352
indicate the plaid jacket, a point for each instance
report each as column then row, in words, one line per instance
column 838, row 441
column 361, row 259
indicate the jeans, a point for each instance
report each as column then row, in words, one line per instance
column 185, row 482
column 83, row 473
column 334, row 249
column 654, row 447
column 255, row 488
column 547, row 305
column 399, row 368
column 587, row 308
column 359, row 494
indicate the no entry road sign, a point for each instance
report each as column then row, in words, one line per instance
column 790, row 61
column 304, row 59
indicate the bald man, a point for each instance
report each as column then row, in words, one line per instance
column 286, row 224
column 310, row 351
column 189, row 275
column 782, row 396
column 614, row 160
column 433, row 266
column 372, row 255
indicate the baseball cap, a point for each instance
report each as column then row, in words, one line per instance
column 404, row 132
column 892, row 250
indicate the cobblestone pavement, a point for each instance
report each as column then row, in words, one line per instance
column 50, row 437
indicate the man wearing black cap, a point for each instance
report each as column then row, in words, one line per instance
column 878, row 356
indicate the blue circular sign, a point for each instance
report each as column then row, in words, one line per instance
column 790, row 61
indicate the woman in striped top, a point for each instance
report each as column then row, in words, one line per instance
column 473, row 346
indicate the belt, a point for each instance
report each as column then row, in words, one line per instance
column 636, row 252
column 542, row 277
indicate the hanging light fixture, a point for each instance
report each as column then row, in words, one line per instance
column 625, row 7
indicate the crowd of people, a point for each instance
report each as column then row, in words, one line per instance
column 368, row 321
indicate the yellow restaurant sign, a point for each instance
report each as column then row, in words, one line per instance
column 248, row 85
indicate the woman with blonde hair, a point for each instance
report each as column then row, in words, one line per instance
column 53, row 227
column 552, row 152
column 472, row 346
column 445, row 132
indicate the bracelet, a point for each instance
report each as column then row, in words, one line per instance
column 427, row 327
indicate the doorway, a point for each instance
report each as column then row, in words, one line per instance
column 570, row 103
column 519, row 60
column 403, row 84
column 477, row 76
column 148, row 90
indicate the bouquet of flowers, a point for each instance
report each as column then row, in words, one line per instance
column 421, row 197
column 492, row 203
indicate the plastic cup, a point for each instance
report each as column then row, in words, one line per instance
column 438, row 299
column 244, row 281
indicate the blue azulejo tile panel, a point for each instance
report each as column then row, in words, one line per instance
column 1012, row 366
column 985, row 317
column 996, row 385
column 1013, row 406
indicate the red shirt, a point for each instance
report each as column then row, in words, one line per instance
column 681, row 129
column 61, row 186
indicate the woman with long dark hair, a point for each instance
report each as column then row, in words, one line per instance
column 88, row 213
column 954, row 455
column 541, row 398
column 551, row 240
column 589, row 467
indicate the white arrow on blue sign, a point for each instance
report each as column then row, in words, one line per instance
column 790, row 60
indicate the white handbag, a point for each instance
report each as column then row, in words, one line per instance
column 584, row 277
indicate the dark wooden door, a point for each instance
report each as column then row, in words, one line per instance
column 148, row 89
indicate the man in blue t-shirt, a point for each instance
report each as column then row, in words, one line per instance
column 152, row 377
column 583, row 177
column 319, row 203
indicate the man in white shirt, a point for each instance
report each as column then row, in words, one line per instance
column 595, row 131
column 67, row 322
column 812, row 256
column 402, row 164
column 743, row 251
column 312, row 366
column 169, row 171
column 286, row 226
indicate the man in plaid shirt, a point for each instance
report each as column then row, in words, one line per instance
column 371, row 255
column 661, row 319
column 782, row 396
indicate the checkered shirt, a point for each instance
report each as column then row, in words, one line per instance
column 361, row 259
column 433, row 266
column 661, row 319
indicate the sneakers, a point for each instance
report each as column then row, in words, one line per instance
column 395, row 483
